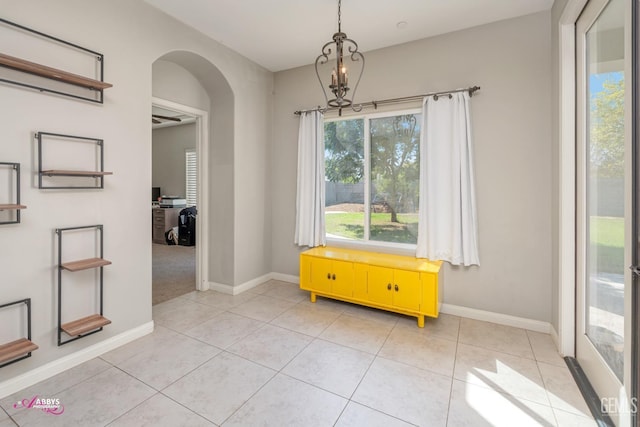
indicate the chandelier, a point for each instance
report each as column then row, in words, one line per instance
column 339, row 86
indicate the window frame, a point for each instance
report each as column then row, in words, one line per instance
column 366, row 243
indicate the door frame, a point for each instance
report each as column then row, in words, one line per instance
column 600, row 375
column 202, row 183
column 635, row 205
column 565, row 339
column 565, row 335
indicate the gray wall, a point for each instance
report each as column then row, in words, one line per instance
column 169, row 170
column 222, row 197
column 511, row 61
column 173, row 82
column 132, row 36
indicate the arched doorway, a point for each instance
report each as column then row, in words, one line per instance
column 188, row 83
column 179, row 146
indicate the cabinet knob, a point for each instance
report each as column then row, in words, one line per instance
column 389, row 286
column 329, row 276
column 334, row 277
column 396, row 288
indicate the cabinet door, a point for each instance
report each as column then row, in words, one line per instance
column 380, row 285
column 305, row 272
column 430, row 294
column 321, row 274
column 342, row 278
column 407, row 289
column 360, row 283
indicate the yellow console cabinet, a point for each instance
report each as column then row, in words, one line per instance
column 401, row 284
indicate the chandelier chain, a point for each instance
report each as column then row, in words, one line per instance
column 339, row 86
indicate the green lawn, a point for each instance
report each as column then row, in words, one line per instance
column 607, row 244
column 607, row 234
column 351, row 225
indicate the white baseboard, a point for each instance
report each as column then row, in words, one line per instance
column 235, row 290
column 50, row 369
column 556, row 338
column 471, row 313
column 286, row 278
column 251, row 284
column 501, row 319
column 221, row 287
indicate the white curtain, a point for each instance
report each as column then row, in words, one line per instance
column 310, row 229
column 448, row 226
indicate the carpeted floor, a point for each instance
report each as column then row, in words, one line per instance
column 174, row 271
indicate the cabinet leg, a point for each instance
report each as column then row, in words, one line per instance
column 420, row 321
column 313, row 297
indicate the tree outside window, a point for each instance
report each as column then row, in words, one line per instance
column 387, row 171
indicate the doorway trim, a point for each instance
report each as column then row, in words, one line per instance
column 202, row 150
column 567, row 176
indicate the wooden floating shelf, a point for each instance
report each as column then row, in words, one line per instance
column 93, row 174
column 15, row 349
column 86, row 324
column 51, row 73
column 85, row 264
column 12, row 207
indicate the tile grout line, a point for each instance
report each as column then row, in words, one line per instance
column 186, row 407
column 375, row 357
column 139, row 404
column 453, row 374
column 276, row 371
column 546, row 390
column 159, row 392
column 544, row 383
column 314, row 339
column 280, row 371
column 504, row 393
column 9, row 417
column 69, row 387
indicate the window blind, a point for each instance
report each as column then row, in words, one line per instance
column 191, row 167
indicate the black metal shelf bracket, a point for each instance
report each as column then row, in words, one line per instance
column 27, row 302
column 16, row 169
column 40, row 137
column 60, row 232
column 95, row 95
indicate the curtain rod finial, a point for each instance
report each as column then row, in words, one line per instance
column 473, row 89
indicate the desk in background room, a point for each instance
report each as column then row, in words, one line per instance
column 162, row 220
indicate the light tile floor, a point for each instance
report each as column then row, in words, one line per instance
column 270, row 357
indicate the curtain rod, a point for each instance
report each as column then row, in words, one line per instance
column 375, row 104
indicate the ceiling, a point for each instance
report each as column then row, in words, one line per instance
column 184, row 118
column 284, row 34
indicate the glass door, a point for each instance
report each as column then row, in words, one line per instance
column 601, row 196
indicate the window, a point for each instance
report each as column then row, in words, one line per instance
column 191, row 167
column 372, row 170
